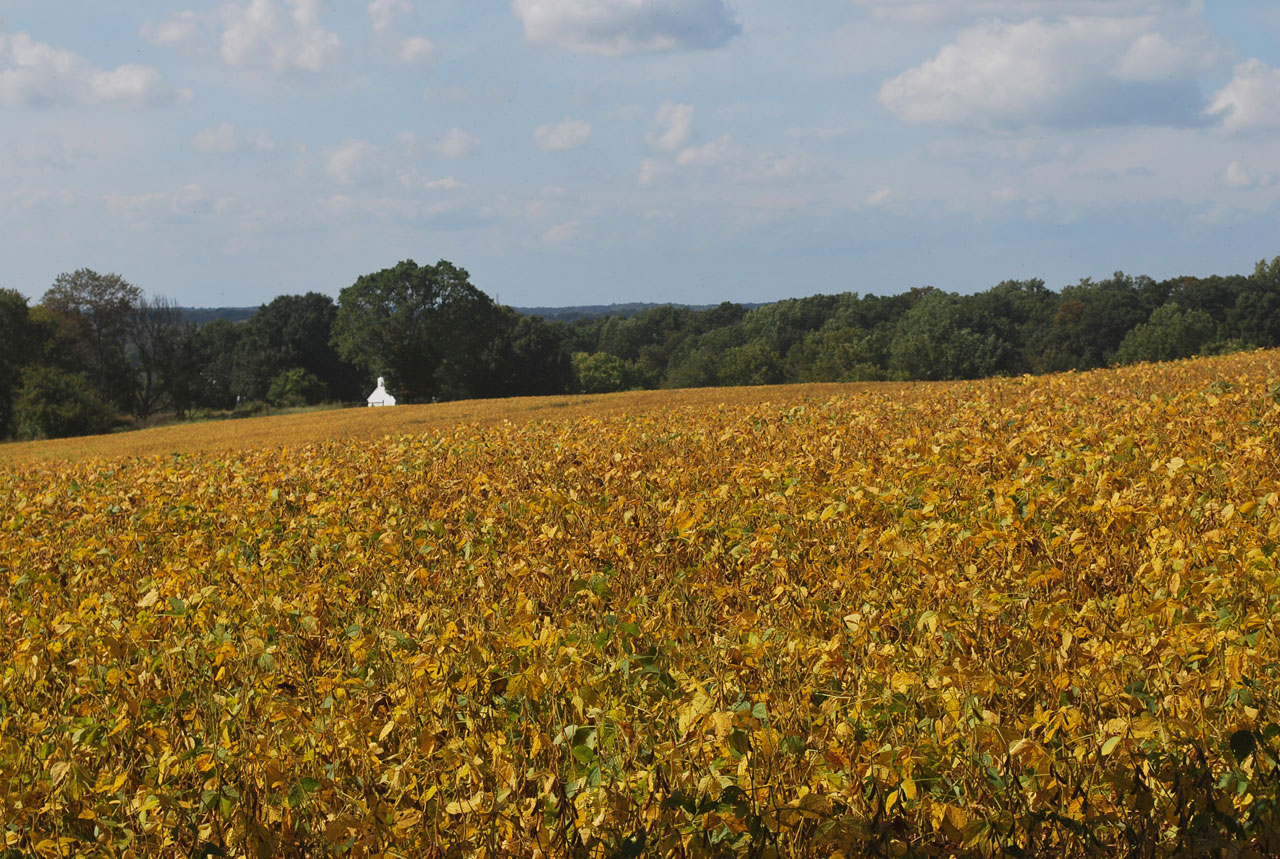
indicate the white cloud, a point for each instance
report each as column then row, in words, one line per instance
column 616, row 27
column 219, row 140
column 410, row 51
column 653, row 169
column 1152, row 57
column 1251, row 101
column 383, row 12
column 569, row 134
column 352, row 161
column 223, row 139
column 562, row 233
column 416, row 51
column 142, row 210
column 33, row 73
column 674, row 125
column 455, row 143
column 935, row 13
column 1238, row 175
column 878, row 197
column 1073, row 72
column 415, row 181
column 771, row 167
column 261, row 35
column 740, row 165
column 714, row 154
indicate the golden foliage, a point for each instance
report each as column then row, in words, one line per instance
column 1031, row 614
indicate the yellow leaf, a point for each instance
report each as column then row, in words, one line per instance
column 908, row 788
column 1110, row 746
column 468, row 806
column 150, row 599
column 386, row 729
column 700, row 706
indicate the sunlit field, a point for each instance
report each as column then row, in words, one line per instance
column 1032, row 616
column 374, row 424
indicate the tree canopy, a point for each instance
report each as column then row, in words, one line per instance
column 95, row 347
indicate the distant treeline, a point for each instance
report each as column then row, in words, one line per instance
column 95, row 353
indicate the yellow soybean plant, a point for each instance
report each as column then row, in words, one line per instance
column 1031, row 616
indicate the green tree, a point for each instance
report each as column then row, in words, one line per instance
column 94, row 314
column 836, row 354
column 54, row 403
column 295, row 387
column 936, row 341
column 293, row 331
column 16, row 333
column 527, row 356
column 153, row 337
column 602, row 373
column 1092, row 319
column 425, row 328
column 185, row 364
column 1169, row 334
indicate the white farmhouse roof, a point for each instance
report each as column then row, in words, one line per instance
column 380, row 397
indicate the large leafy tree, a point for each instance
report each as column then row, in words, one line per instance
column 427, row 329
column 293, row 332
column 15, row 334
column 1170, row 333
column 54, row 403
column 94, row 314
column 155, row 330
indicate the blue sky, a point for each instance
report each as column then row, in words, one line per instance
column 592, row 151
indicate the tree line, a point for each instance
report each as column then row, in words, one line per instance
column 96, row 353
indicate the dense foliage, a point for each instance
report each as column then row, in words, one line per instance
column 435, row 336
column 1032, row 616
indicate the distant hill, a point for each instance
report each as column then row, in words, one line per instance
column 592, row 311
column 201, row 315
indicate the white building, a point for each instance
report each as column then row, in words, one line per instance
column 380, row 397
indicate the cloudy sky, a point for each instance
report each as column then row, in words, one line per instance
column 222, row 152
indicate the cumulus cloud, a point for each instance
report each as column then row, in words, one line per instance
column 223, row 139
column 382, row 13
column 560, row 136
column 415, row 181
column 740, row 165
column 615, row 27
column 1070, row 72
column 146, row 209
column 455, row 143
column 673, row 124
column 562, row 233
column 411, row 50
column 352, row 161
column 219, row 140
column 416, row 51
column 653, row 169
column 1251, row 101
column 714, row 154
column 1238, row 175
column 261, row 35
column 935, row 13
column 878, row 197
column 33, row 73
